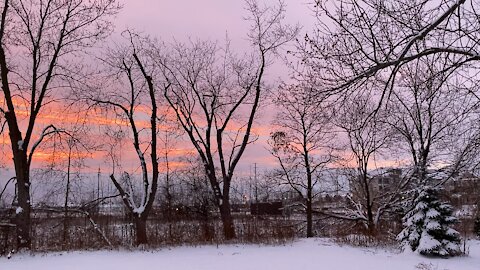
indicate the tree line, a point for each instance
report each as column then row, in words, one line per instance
column 375, row 80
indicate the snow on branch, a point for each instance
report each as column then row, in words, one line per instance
column 47, row 131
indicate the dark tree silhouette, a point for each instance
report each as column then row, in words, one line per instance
column 211, row 94
column 44, row 36
column 134, row 91
column 302, row 143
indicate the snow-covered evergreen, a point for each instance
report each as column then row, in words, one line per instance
column 428, row 226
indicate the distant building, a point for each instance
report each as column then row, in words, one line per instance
column 268, row 208
column 464, row 190
column 386, row 181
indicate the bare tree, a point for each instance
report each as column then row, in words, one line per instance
column 302, row 142
column 69, row 149
column 358, row 41
column 45, row 36
column 133, row 94
column 366, row 136
column 429, row 110
column 216, row 97
column 78, row 149
column 426, row 114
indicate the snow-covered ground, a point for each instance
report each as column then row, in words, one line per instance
column 302, row 254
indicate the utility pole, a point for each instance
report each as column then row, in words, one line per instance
column 256, row 183
column 98, row 183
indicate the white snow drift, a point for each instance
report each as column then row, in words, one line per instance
column 303, row 254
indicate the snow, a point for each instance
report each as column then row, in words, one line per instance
column 18, row 210
column 432, row 213
column 414, row 235
column 428, row 243
column 418, row 217
column 433, row 225
column 303, row 254
column 20, row 145
column 139, row 210
column 421, row 206
column 451, row 232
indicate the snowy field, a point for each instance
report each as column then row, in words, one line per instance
column 302, row 254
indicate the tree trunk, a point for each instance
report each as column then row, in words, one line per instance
column 309, row 200
column 309, row 217
column 371, row 228
column 22, row 218
column 370, row 222
column 227, row 219
column 368, row 198
column 65, row 205
column 308, row 169
column 141, row 230
column 22, row 173
column 223, row 202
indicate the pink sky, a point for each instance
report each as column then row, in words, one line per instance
column 204, row 19
column 207, row 19
column 180, row 20
column 212, row 19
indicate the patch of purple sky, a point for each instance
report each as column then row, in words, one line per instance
column 214, row 20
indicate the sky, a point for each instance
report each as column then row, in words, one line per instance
column 181, row 20
column 169, row 21
column 212, row 19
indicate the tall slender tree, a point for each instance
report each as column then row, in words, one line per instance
column 39, row 43
column 216, row 96
column 302, row 143
column 134, row 91
column 367, row 136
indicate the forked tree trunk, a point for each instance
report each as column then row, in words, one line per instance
column 22, row 217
